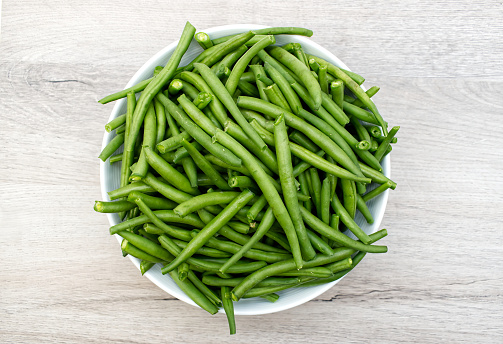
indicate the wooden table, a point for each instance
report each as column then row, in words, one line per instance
column 440, row 68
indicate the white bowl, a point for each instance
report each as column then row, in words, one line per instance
column 109, row 176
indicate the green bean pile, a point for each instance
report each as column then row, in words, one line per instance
column 242, row 171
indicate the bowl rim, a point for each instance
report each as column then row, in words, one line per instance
column 147, row 67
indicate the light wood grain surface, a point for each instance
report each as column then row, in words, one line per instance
column 440, row 68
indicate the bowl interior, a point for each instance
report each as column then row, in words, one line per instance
column 110, row 176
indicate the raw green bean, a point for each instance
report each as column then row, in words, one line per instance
column 277, row 268
column 221, row 92
column 175, row 86
column 149, row 141
column 216, row 161
column 204, row 40
column 113, row 207
column 125, row 190
column 205, row 166
column 210, row 229
column 288, row 186
column 239, row 238
column 215, row 281
column 132, row 250
column 323, row 78
column 319, row 244
column 152, row 90
column 160, row 113
column 190, row 171
column 182, row 153
column 264, row 155
column 204, row 200
column 358, row 92
column 362, row 207
column 195, row 295
column 272, row 31
column 349, row 193
column 257, row 70
column 204, row 251
column 356, row 77
column 198, row 134
column 325, row 230
column 145, row 266
column 256, row 208
column 291, row 97
column 346, row 218
column 310, row 157
column 210, row 264
column 229, row 60
column 165, row 215
column 228, row 308
column 318, row 271
column 183, row 271
column 225, row 48
column 275, row 96
column 375, row 192
column 299, row 53
column 216, row 106
column 268, row 189
column 247, row 89
column 254, row 254
column 370, row 92
column 316, row 188
column 121, row 94
column 243, row 62
column 300, row 70
column 111, row 147
column 379, row 154
column 264, row 226
column 166, row 190
column 241, row 182
column 376, row 176
column 147, row 246
column 252, row 115
column 168, row 172
column 310, row 131
column 325, row 200
column 337, row 92
column 197, row 115
column 115, row 123
column 304, row 188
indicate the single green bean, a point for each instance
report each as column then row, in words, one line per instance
column 111, row 147
column 132, row 250
column 190, row 171
column 337, row 92
column 323, row 78
column 175, row 86
column 113, row 207
column 147, row 246
column 325, row 200
column 204, row 251
column 241, row 182
column 145, row 266
column 349, row 196
column 125, row 190
column 204, row 200
column 318, row 271
column 115, row 123
column 204, row 40
column 318, row 243
column 362, row 207
column 370, row 92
